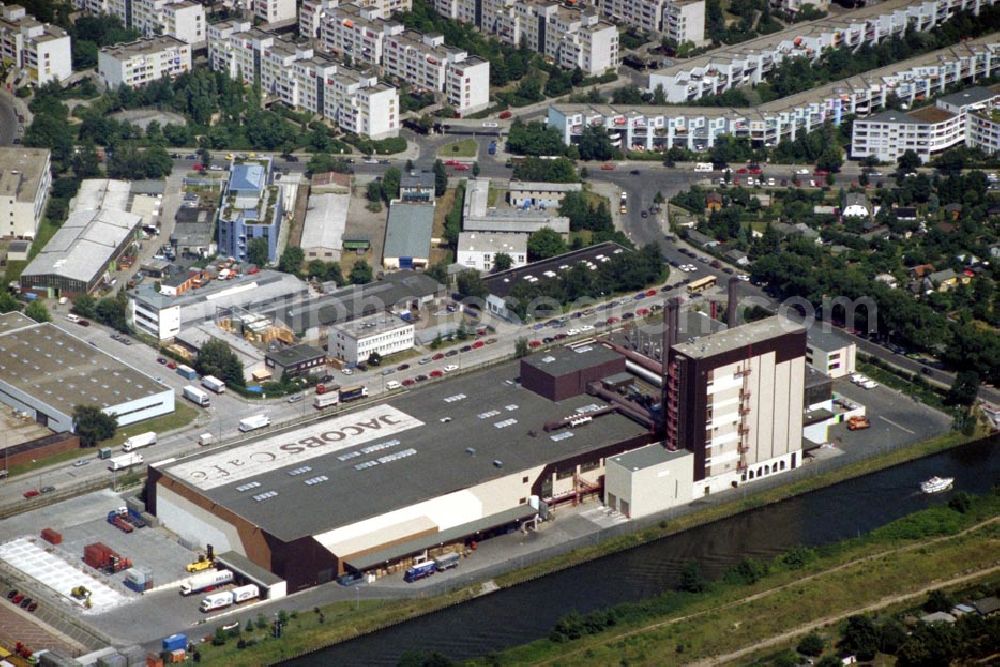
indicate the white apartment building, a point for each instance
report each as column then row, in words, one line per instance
column 955, row 120
column 274, row 11
column 478, row 251
column 311, row 14
column 41, row 51
column 142, row 61
column 357, row 33
column 680, row 20
column 290, row 72
column 355, row 341
column 182, row 19
column 25, row 177
column 793, row 7
column 749, row 63
column 220, row 47
column 662, row 127
column 984, row 131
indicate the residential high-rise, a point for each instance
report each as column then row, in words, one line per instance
column 182, row 19
column 41, row 51
column 25, row 177
column 142, row 61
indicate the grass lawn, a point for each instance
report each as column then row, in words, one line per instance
column 495, row 194
column 182, row 415
column 462, row 148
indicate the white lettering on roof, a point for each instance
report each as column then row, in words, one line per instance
column 294, row 447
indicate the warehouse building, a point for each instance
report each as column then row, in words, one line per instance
column 408, row 236
column 479, row 251
column 479, row 216
column 45, row 372
column 323, row 231
column 97, row 232
column 456, row 461
column 25, row 177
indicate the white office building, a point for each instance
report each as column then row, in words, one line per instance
column 154, row 313
column 142, row 61
column 41, row 51
column 25, row 177
column 478, row 250
column 384, row 333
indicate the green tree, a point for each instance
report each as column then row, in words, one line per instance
column 860, row 637
column 595, row 144
column 334, row 273
column 316, row 269
column 374, row 359
column 85, row 162
column 37, row 311
column 438, row 272
column 475, row 169
column 291, row 260
column 692, row 578
column 811, row 645
column 113, row 311
column 909, row 161
column 440, row 178
column 8, row 303
column 216, row 358
column 502, row 261
column 938, row 600
column 92, row 425
column 545, row 243
column 521, row 348
column 374, row 193
column 471, row 284
column 964, row 389
column 257, row 251
column 961, row 502
column 390, row 184
column 361, row 273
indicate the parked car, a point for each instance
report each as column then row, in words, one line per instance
column 421, row 378
column 31, row 493
column 451, row 353
column 402, row 367
column 48, row 489
column 466, row 348
column 438, row 357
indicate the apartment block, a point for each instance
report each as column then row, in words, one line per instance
column 697, row 129
column 311, row 14
column 41, row 51
column 358, row 33
column 274, row 11
column 293, row 74
column 220, row 46
column 749, row 63
column 955, row 120
column 680, row 20
column 735, row 400
column 25, row 177
column 142, row 61
column 182, row 19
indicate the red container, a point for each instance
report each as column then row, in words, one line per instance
column 52, row 536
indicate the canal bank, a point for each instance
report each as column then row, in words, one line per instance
column 346, row 620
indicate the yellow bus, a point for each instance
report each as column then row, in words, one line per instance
column 702, row 284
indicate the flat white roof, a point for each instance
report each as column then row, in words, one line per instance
column 326, row 218
column 495, row 242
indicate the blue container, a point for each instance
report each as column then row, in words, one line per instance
column 175, row 641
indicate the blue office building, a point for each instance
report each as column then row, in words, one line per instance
column 250, row 208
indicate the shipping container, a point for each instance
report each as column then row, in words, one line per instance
column 123, row 462
column 175, row 641
column 104, row 453
column 205, row 439
column 326, row 400
column 141, row 440
column 447, row 561
column 244, row 593
column 353, row 393
column 52, row 536
column 187, row 372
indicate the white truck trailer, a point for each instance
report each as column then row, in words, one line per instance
column 326, row 400
column 196, row 395
column 141, row 440
column 213, row 383
column 253, row 423
column 123, row 462
column 206, row 580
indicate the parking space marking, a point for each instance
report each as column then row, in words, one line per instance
column 901, row 428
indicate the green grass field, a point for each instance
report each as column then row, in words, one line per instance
column 462, row 148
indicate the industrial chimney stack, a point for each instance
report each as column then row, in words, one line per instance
column 731, row 310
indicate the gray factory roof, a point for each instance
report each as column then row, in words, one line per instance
column 261, row 291
column 295, row 354
column 559, row 361
column 62, row 371
column 500, row 284
column 356, row 300
column 102, row 193
column 420, row 179
column 648, row 456
column 21, row 171
column 738, row 337
column 971, row 95
column 408, row 231
column 822, row 337
column 326, row 218
column 84, row 244
column 463, row 412
column 14, row 320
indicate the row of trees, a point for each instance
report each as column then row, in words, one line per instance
column 111, row 311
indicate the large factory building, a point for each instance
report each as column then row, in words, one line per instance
column 368, row 490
